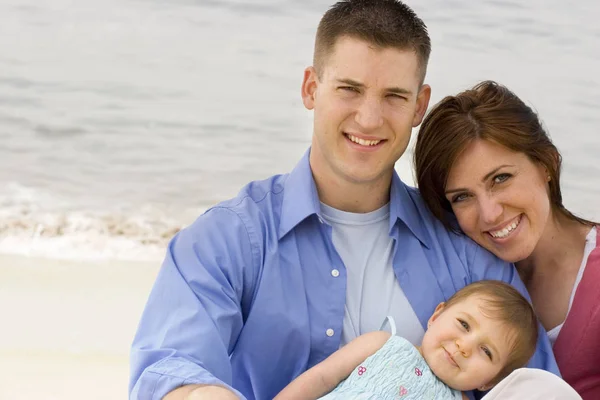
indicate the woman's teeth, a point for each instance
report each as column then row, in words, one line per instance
column 506, row 231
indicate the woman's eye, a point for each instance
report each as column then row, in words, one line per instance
column 487, row 352
column 459, row 197
column 501, row 178
column 464, row 324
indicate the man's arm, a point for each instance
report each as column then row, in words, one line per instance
column 193, row 316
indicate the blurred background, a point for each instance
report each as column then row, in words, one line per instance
column 122, row 120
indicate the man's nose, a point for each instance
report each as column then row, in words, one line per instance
column 370, row 114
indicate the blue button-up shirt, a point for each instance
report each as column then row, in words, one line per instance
column 245, row 297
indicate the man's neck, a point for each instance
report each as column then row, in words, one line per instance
column 351, row 196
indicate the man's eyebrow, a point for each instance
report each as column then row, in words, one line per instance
column 395, row 89
column 485, row 178
column 350, row 82
column 399, row 90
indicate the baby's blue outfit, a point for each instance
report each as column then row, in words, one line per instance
column 397, row 371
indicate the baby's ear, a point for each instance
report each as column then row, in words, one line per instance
column 436, row 313
column 486, row 387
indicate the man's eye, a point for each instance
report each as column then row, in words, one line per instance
column 349, row 89
column 396, row 96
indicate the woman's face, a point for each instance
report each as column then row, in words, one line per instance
column 500, row 198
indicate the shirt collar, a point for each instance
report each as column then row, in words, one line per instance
column 403, row 208
column 300, row 197
column 301, row 200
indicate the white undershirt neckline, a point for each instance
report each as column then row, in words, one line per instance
column 590, row 244
column 373, row 292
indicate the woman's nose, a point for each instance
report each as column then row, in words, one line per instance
column 490, row 209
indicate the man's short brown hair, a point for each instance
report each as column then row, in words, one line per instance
column 382, row 23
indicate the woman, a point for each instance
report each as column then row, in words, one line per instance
column 484, row 157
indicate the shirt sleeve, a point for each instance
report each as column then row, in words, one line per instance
column 485, row 265
column 194, row 313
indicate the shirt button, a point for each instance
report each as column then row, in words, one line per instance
column 329, row 332
column 335, row 273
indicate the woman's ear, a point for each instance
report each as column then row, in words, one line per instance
column 544, row 172
column 436, row 313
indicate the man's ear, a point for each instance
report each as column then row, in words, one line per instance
column 436, row 313
column 309, row 87
column 422, row 104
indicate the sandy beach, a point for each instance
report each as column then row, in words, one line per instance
column 67, row 326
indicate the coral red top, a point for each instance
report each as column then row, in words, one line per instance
column 577, row 348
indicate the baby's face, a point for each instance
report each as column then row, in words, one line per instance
column 465, row 348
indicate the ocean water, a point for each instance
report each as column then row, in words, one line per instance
column 121, row 120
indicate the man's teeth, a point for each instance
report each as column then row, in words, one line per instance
column 504, row 232
column 363, row 142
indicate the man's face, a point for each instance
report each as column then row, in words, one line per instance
column 365, row 103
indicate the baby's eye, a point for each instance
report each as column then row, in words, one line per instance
column 487, row 352
column 464, row 324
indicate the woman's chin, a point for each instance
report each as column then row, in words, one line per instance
column 511, row 253
column 515, row 247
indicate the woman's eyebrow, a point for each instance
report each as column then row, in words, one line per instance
column 492, row 172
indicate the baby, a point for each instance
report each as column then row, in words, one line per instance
column 479, row 336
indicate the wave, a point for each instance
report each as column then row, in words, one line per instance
column 27, row 228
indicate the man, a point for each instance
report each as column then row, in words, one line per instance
column 265, row 285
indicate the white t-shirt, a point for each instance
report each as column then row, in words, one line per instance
column 372, row 290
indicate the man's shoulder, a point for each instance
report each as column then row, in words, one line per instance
column 439, row 234
column 454, row 244
column 257, row 204
column 259, row 193
column 425, row 217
